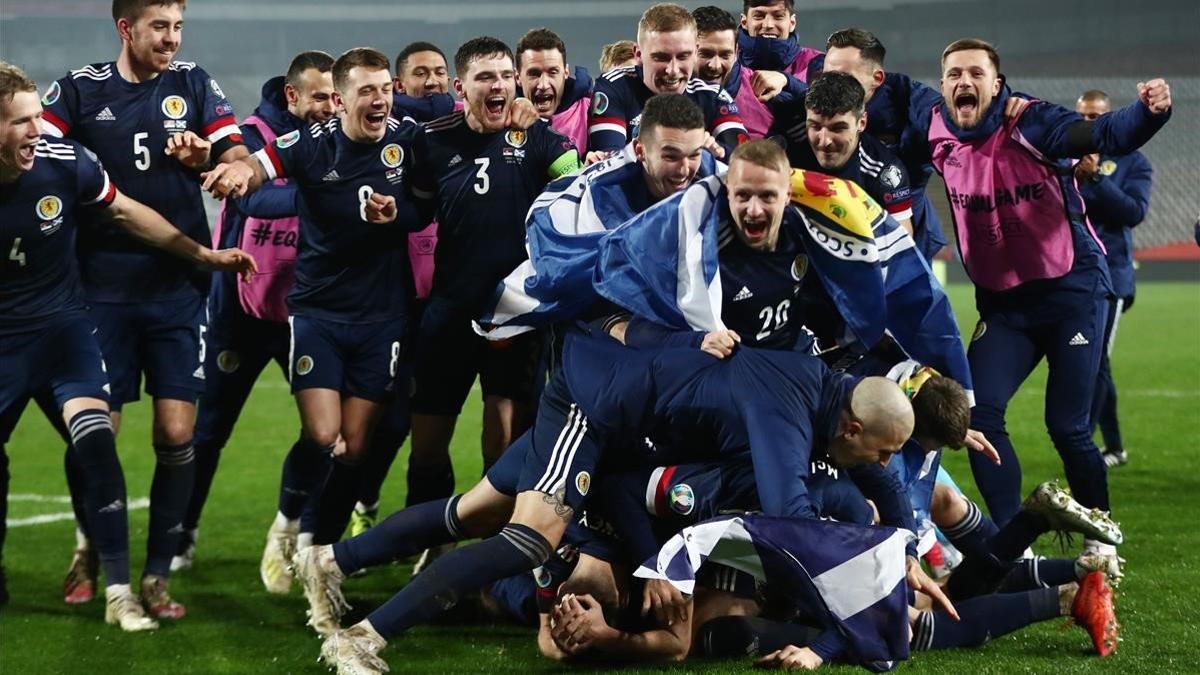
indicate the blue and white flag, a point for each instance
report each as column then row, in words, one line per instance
column 851, row 576
column 562, row 230
column 663, row 265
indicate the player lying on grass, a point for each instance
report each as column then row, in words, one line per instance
column 784, row 400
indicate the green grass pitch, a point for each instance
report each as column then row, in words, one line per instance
column 233, row 626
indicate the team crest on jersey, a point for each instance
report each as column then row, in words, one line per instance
column 392, row 155
column 799, row 267
column 1107, row 167
column 228, row 361
column 287, row 140
column 174, row 107
column 980, row 329
column 49, row 207
column 515, row 138
column 890, row 176
column 599, row 103
column 583, row 482
column 682, row 499
column 52, row 94
column 304, row 365
column 216, row 88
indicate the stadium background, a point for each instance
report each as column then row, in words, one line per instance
column 1055, row 49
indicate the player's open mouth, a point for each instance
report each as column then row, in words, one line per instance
column 495, row 105
column 669, row 83
column 711, row 74
column 375, row 118
column 543, row 101
column 755, row 229
column 770, row 33
column 965, row 103
column 25, row 151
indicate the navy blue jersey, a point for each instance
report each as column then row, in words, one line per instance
column 39, row 217
column 348, row 269
column 1117, row 199
column 485, row 184
column 127, row 126
column 760, row 290
column 872, row 166
column 620, row 95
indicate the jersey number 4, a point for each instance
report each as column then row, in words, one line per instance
column 16, row 253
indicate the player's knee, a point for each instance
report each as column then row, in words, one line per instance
column 321, row 435
column 947, row 506
column 172, row 432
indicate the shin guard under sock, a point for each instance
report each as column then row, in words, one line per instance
column 104, row 494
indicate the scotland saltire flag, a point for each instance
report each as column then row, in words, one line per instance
column 851, row 576
column 562, row 231
column 662, row 265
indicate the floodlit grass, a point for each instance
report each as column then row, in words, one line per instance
column 234, row 626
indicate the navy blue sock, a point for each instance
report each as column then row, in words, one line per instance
column 77, row 487
column 515, row 550
column 336, row 501
column 208, row 456
column 1038, row 572
column 983, row 618
column 304, row 471
column 427, row 482
column 4, row 478
column 107, row 517
column 170, row 492
column 403, row 533
column 1019, row 534
column 971, row 534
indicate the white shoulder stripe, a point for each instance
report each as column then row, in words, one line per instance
column 868, row 160
column 182, row 65
column 696, row 84
column 618, row 73
column 443, row 123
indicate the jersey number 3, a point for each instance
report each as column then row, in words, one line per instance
column 484, row 183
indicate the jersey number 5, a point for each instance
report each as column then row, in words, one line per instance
column 485, row 182
column 140, row 151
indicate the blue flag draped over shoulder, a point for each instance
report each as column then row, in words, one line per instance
column 852, row 576
column 564, row 226
column 663, row 265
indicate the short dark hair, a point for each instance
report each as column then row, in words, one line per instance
column 968, row 44
column 833, row 93
column 353, row 58
column 941, row 412
column 864, row 40
column 541, row 39
column 711, row 19
column 674, row 111
column 477, row 48
column 130, row 10
column 747, row 4
column 305, row 60
column 416, row 48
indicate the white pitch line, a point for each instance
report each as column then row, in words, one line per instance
column 1137, row 393
column 135, row 504
column 56, row 499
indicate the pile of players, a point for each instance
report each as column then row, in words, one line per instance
column 695, row 285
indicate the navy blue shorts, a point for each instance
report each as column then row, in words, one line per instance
column 454, row 355
column 505, row 474
column 239, row 347
column 62, row 359
column 357, row 359
column 164, row 340
column 564, row 450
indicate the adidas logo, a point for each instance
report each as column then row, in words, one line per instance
column 743, row 294
column 106, row 115
column 1078, row 340
column 331, row 176
column 455, row 160
column 116, row 506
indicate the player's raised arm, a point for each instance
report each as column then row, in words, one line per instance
column 145, row 224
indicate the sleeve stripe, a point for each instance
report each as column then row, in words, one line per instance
column 107, row 192
column 901, row 215
column 729, row 123
column 617, row 121
column 269, row 161
column 598, row 128
column 220, row 128
column 52, row 125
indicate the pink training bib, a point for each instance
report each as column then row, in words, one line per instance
column 273, row 243
column 1008, row 206
column 573, row 123
column 755, row 115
